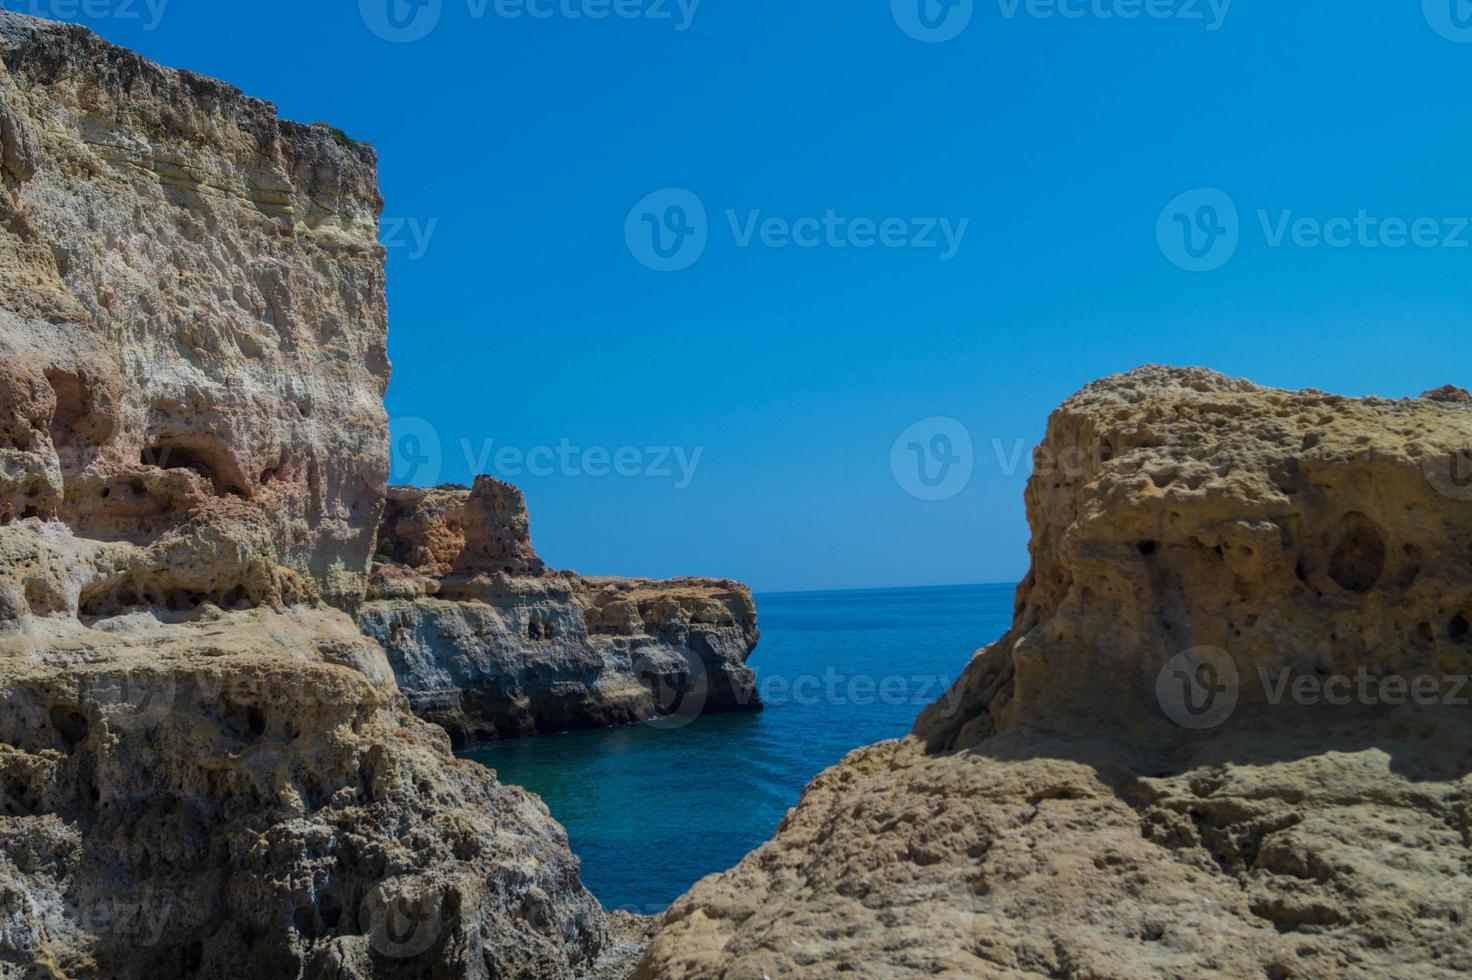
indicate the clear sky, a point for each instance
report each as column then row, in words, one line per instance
column 517, row 153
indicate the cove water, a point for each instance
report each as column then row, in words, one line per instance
column 651, row 811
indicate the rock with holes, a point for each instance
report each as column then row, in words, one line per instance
column 1228, row 733
column 206, row 770
column 488, row 644
column 245, row 793
column 188, row 286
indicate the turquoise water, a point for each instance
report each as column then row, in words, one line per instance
column 651, row 811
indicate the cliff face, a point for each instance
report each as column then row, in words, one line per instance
column 1227, row 734
column 204, row 770
column 194, row 319
column 487, row 644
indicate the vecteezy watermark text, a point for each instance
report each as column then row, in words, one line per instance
column 571, row 460
column 411, row 236
column 1201, row 688
column 669, row 230
column 833, row 230
column 938, row 21
column 417, row 456
column 1200, row 230
column 149, row 12
column 1211, row 14
column 859, row 690
column 406, row 21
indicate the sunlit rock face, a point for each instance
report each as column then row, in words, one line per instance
column 1228, row 733
column 205, row 769
column 194, row 308
column 487, row 643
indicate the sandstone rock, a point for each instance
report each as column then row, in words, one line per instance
column 1449, row 393
column 245, row 794
column 21, row 145
column 423, row 529
column 487, row 645
column 1082, row 805
column 498, row 536
column 206, row 771
column 193, row 308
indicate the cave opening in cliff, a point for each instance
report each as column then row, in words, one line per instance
column 201, row 461
column 73, row 406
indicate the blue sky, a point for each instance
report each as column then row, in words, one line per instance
column 518, row 155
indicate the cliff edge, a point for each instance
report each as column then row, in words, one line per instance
column 1226, row 735
column 205, row 769
column 488, row 643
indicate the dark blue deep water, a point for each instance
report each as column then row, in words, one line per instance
column 651, row 811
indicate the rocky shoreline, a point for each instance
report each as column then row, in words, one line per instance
column 487, row 643
column 233, row 664
column 206, row 768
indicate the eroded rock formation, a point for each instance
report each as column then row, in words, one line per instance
column 487, row 644
column 205, row 769
column 1227, row 734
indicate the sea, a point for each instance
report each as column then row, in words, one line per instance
column 652, row 809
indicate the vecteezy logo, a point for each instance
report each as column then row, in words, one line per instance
column 1198, row 688
column 1199, row 230
column 933, row 459
column 400, row 926
column 933, row 21
column 415, row 453
column 1452, row 19
column 1450, row 472
column 131, row 699
column 401, row 21
column 668, row 230
column 679, row 686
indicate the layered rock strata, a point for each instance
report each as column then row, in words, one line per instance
column 205, row 769
column 1226, row 735
column 489, row 645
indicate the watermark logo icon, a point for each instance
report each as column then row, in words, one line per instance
column 401, row 21
column 1200, row 230
column 933, row 21
column 1450, row 473
column 415, row 453
column 680, row 690
column 1198, row 688
column 1452, row 19
column 131, row 700
column 933, row 459
column 400, row 926
column 668, row 230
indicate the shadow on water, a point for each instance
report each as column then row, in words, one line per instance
column 651, row 811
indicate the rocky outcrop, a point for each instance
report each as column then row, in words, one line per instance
column 1227, row 734
column 205, row 769
column 194, row 308
column 487, row 644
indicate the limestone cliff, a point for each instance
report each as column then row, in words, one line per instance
column 1227, row 734
column 205, row 770
column 194, row 317
column 486, row 643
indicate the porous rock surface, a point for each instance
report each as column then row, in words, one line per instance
column 205, row 769
column 1122, row 785
column 488, row 644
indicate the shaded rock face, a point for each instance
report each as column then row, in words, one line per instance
column 1227, row 734
column 205, row 770
column 489, row 645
